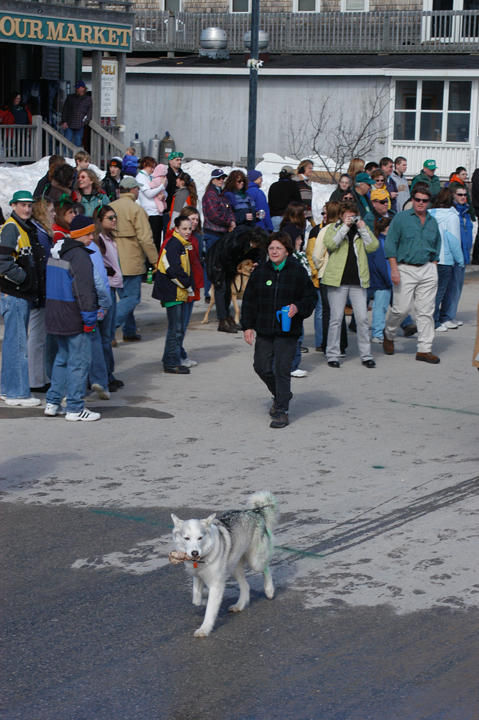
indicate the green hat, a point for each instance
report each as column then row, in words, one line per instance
column 21, row 196
column 429, row 164
column 174, row 155
column 363, row 177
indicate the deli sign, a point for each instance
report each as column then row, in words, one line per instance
column 64, row 32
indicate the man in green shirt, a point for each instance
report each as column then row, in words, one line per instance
column 412, row 247
column 428, row 176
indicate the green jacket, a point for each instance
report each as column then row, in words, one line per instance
column 434, row 184
column 336, row 242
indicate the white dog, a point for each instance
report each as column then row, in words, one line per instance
column 215, row 548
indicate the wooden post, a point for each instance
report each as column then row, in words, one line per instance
column 121, row 97
column 37, row 137
column 96, row 58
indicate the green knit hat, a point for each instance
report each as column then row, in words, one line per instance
column 21, row 196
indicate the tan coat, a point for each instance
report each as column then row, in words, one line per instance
column 133, row 235
column 475, row 356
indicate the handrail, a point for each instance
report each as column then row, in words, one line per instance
column 108, row 137
column 60, row 139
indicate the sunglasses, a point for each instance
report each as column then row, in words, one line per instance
column 381, row 202
column 461, row 195
column 421, row 200
column 110, row 217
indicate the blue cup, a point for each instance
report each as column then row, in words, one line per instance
column 283, row 318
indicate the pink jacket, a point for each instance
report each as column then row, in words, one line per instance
column 158, row 179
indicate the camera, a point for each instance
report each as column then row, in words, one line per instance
column 355, row 219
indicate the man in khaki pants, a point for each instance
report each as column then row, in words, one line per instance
column 412, row 248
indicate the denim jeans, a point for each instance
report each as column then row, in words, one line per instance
column 98, row 373
column 318, row 321
column 188, row 309
column 14, row 375
column 453, row 292
column 273, row 358
column 70, row 371
column 444, row 279
column 382, row 299
column 107, row 331
column 297, row 354
column 37, row 341
column 174, row 335
column 130, row 296
column 74, row 136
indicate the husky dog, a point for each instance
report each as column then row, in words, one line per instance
column 217, row 547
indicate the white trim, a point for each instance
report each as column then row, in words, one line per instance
column 364, row 9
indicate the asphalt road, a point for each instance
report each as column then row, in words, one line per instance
column 376, row 614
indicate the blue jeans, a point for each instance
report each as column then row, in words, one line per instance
column 297, row 355
column 174, row 335
column 444, row 279
column 74, row 136
column 15, row 382
column 188, row 309
column 70, row 371
column 209, row 239
column 107, row 332
column 130, row 297
column 98, row 373
column 382, row 299
column 453, row 293
column 318, row 321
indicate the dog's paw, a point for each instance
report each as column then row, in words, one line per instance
column 236, row 608
column 201, row 632
column 269, row 592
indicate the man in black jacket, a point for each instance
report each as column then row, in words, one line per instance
column 281, row 193
column 76, row 113
column 278, row 283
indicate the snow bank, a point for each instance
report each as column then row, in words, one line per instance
column 26, row 177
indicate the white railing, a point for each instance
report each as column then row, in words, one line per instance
column 104, row 145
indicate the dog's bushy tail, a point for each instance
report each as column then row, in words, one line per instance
column 265, row 500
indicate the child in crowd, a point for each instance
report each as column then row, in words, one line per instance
column 130, row 162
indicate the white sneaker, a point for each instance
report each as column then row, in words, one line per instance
column 451, row 325
column 458, row 322
column 441, row 328
column 189, row 363
column 378, row 341
column 102, row 393
column 51, row 410
column 299, row 373
column 22, row 402
column 85, row 415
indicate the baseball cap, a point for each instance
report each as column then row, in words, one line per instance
column 128, row 183
column 81, row 225
column 79, row 84
column 379, row 194
column 175, row 154
column 21, row 196
column 287, row 169
column 429, row 164
column 363, row 177
column 217, row 173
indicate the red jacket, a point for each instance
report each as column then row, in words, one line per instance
column 196, row 266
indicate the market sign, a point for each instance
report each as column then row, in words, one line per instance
column 31, row 29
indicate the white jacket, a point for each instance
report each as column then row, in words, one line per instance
column 147, row 193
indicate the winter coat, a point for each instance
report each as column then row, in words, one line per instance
column 146, row 198
column 22, row 271
column 319, row 253
column 391, row 187
column 242, row 204
column 77, row 111
column 196, row 266
column 365, row 209
column 217, row 213
column 466, row 231
column 170, row 186
column 306, row 192
column 133, row 236
column 402, row 188
column 111, row 187
column 16, row 115
column 260, row 202
column 433, row 183
column 336, row 241
column 173, row 278
column 181, row 199
column 93, row 201
column 449, row 227
column 475, row 188
column 379, row 270
column 111, row 262
column 268, row 290
column 130, row 165
column 454, row 184
column 71, row 296
column 280, row 194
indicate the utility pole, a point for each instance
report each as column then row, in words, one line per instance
column 253, row 84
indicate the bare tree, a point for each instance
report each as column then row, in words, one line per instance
column 335, row 139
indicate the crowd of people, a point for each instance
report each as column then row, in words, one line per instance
column 74, row 256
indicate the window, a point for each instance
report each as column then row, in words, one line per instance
column 354, row 5
column 306, row 5
column 173, row 5
column 446, row 27
column 432, row 111
column 240, row 6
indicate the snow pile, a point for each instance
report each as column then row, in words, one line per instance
column 26, row 177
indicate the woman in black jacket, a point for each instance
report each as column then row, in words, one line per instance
column 279, row 281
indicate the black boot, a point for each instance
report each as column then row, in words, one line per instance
column 224, row 326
